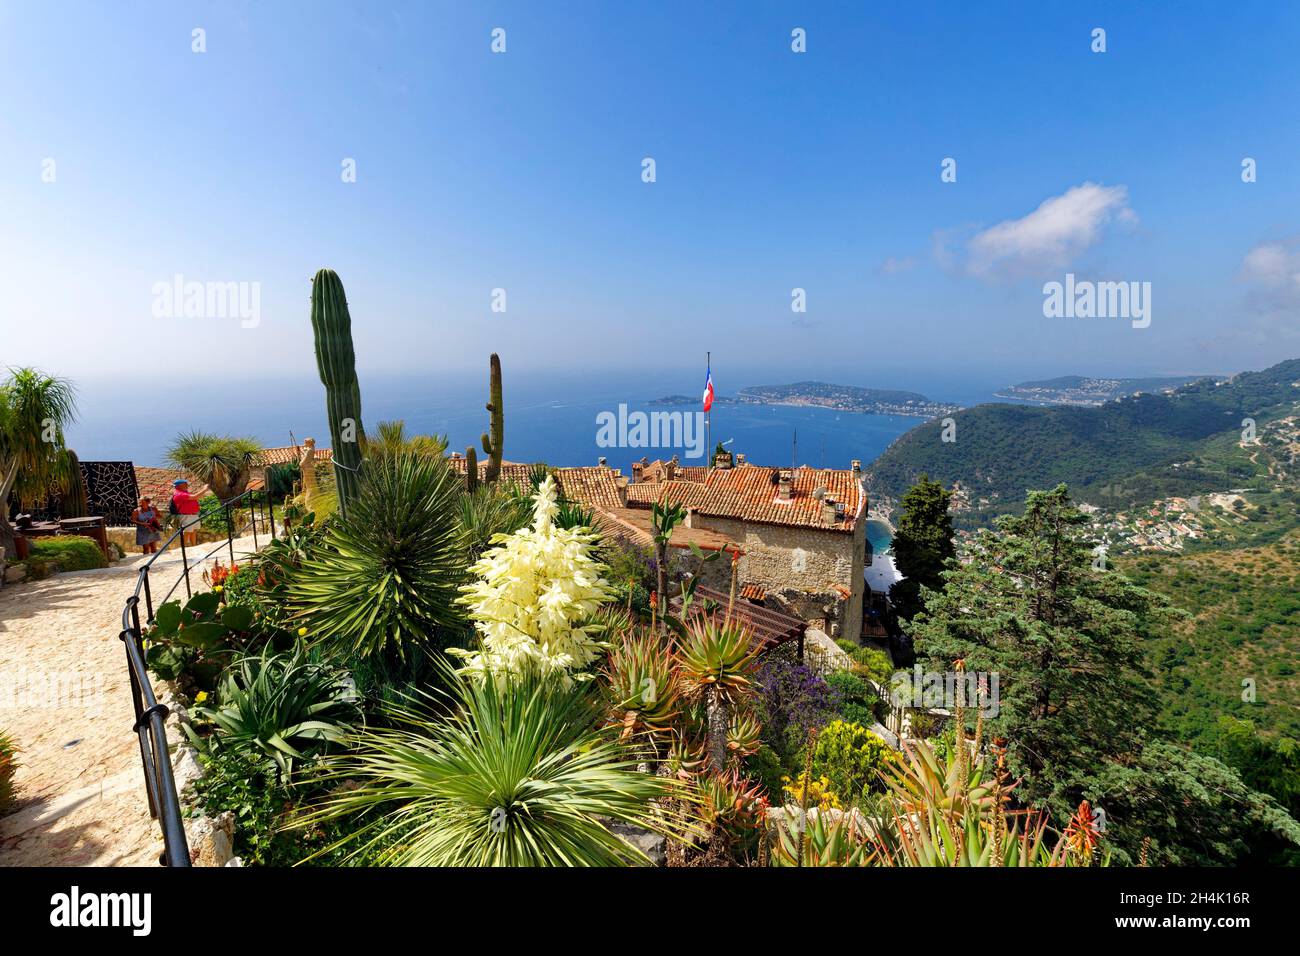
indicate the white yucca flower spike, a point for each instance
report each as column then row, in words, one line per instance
column 537, row 592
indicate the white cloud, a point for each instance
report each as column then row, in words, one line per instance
column 1052, row 235
column 1274, row 266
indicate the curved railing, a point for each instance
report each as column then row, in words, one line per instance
column 150, row 716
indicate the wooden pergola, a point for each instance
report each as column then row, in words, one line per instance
column 771, row 628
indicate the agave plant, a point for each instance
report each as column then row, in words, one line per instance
column 280, row 708
column 719, row 661
column 384, row 578
column 519, row 774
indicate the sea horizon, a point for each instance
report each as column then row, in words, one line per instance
column 117, row 425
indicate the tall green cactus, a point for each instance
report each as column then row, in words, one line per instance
column 73, row 504
column 332, row 327
column 492, row 444
column 471, row 469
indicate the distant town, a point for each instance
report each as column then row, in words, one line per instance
column 1091, row 392
column 847, row 398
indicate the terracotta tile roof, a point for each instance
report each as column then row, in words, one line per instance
column 156, row 483
column 689, row 494
column 595, row 486
column 289, row 454
column 749, row 493
column 770, row 627
column 633, row 525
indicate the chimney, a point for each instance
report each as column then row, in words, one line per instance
column 785, row 486
column 670, row 469
column 602, row 461
column 722, row 460
column 740, row 458
column 856, row 465
column 830, row 510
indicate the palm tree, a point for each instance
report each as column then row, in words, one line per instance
column 391, row 439
column 35, row 408
column 518, row 774
column 222, row 463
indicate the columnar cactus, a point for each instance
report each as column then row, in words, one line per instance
column 332, row 327
column 73, row 503
column 492, row 443
column 471, row 469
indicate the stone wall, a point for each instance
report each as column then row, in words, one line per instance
column 800, row 569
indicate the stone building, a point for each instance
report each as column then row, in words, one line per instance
column 802, row 533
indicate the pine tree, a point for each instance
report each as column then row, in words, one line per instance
column 922, row 544
column 1074, row 708
column 1063, row 638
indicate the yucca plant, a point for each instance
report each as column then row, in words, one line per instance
column 719, row 661
column 279, row 708
column 486, row 513
column 384, row 578
column 518, row 774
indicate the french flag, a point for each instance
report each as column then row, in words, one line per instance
column 708, row 388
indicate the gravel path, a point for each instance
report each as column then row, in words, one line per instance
column 65, row 700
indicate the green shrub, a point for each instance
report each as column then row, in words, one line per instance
column 858, row 703
column 8, row 767
column 70, row 552
column 873, row 663
column 764, row 768
column 851, row 757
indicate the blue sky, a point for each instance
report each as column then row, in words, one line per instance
column 775, row 170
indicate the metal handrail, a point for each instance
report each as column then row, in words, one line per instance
column 155, row 756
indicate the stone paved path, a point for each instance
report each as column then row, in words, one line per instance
column 65, row 700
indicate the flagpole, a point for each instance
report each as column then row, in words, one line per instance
column 708, row 415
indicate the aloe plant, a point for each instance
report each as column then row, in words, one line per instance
column 280, row 708
column 335, row 359
column 719, row 662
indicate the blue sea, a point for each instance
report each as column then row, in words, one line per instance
column 551, row 418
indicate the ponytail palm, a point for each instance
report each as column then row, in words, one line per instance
column 35, row 408
column 517, row 775
column 222, row 463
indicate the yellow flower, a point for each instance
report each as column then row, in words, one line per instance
column 200, row 697
column 218, row 589
column 302, row 632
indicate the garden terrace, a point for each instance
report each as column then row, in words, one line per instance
column 771, row 628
